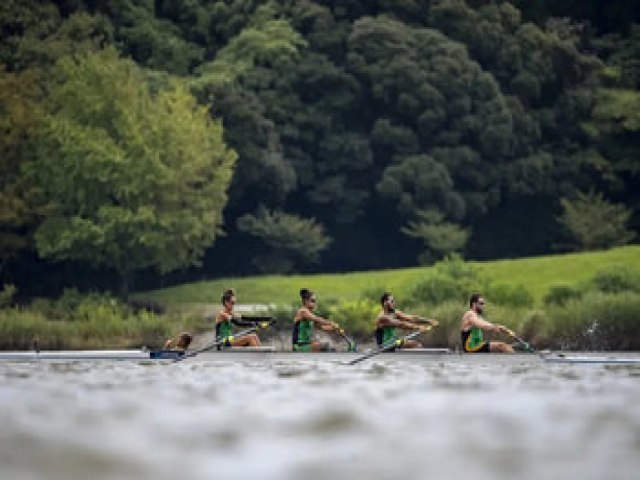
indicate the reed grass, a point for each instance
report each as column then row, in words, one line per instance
column 21, row 328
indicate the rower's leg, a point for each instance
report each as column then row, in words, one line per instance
column 411, row 344
column 251, row 340
column 322, row 347
column 500, row 347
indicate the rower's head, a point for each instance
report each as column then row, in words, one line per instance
column 184, row 340
column 476, row 302
column 308, row 298
column 229, row 299
column 388, row 302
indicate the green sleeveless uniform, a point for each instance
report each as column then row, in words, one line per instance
column 302, row 335
column 473, row 341
column 224, row 330
column 386, row 334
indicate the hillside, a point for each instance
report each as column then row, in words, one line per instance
column 537, row 274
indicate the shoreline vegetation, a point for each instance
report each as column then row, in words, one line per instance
column 587, row 301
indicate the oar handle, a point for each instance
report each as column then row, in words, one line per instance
column 431, row 321
column 522, row 342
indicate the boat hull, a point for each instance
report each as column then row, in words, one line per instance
column 267, row 354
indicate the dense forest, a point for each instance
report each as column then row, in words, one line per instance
column 160, row 141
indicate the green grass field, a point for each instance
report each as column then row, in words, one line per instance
column 536, row 274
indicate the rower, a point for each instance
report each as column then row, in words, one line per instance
column 184, row 340
column 390, row 319
column 473, row 325
column 227, row 318
column 304, row 322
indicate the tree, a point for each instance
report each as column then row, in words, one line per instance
column 37, row 34
column 442, row 120
column 594, row 222
column 441, row 238
column 266, row 42
column 292, row 240
column 137, row 179
column 19, row 113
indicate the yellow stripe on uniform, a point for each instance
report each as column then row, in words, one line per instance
column 468, row 348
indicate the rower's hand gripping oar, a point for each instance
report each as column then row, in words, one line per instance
column 429, row 321
column 389, row 346
column 526, row 345
column 351, row 343
column 223, row 341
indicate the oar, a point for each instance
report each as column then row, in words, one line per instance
column 526, row 345
column 430, row 321
column 222, row 341
column 396, row 343
column 351, row 343
column 258, row 318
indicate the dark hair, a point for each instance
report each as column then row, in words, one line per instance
column 474, row 298
column 305, row 294
column 385, row 296
column 184, row 340
column 226, row 296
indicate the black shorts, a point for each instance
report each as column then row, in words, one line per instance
column 225, row 344
column 484, row 348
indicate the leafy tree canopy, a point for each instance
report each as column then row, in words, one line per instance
column 137, row 179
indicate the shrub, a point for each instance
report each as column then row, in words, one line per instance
column 284, row 315
column 617, row 278
column 373, row 293
column 19, row 329
column 594, row 222
column 509, row 295
column 534, row 327
column 447, row 333
column 88, row 321
column 72, row 305
column 356, row 316
column 435, row 289
column 455, row 267
column 451, row 280
column 598, row 321
column 561, row 294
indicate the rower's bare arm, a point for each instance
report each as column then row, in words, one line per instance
column 410, row 322
column 239, row 321
column 386, row 320
column 476, row 321
column 405, row 316
column 323, row 323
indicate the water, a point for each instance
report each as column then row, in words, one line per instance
column 384, row 419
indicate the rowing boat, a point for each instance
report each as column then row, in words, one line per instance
column 86, row 355
column 267, row 353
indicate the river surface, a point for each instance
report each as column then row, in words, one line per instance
column 295, row 419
